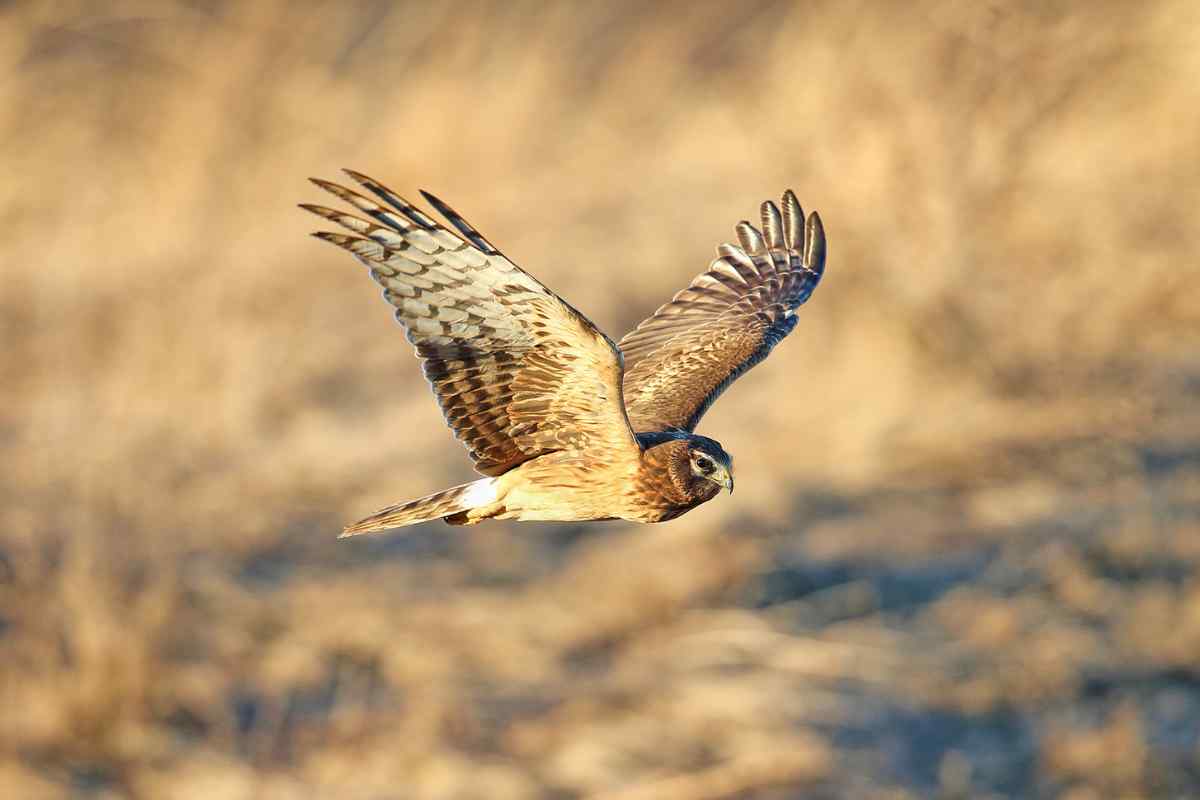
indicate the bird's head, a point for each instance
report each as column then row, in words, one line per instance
column 710, row 462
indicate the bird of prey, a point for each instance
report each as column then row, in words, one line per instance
column 564, row 424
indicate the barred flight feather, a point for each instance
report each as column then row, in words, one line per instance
column 517, row 371
column 680, row 359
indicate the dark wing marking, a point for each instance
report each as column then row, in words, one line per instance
column 464, row 227
column 679, row 360
column 517, row 371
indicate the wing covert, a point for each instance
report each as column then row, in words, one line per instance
column 680, row 359
column 517, row 371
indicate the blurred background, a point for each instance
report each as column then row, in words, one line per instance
column 963, row 559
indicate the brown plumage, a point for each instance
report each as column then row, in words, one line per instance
column 565, row 424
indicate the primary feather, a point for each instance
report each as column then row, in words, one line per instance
column 517, row 371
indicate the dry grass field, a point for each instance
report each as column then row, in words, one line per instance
column 963, row 560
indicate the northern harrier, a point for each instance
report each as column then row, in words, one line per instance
column 565, row 424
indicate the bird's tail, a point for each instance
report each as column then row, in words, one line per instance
column 453, row 503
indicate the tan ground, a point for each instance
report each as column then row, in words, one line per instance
column 963, row 559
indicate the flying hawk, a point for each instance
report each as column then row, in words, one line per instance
column 565, row 424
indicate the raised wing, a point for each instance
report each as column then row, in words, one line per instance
column 517, row 371
column 679, row 360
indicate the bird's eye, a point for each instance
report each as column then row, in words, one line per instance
column 705, row 464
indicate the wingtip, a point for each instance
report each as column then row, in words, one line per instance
column 439, row 205
column 365, row 180
column 443, row 208
column 772, row 225
column 465, row 229
column 363, row 527
column 323, row 212
column 815, row 224
column 814, row 243
column 793, row 221
column 750, row 238
column 341, row 192
column 359, row 528
column 339, row 239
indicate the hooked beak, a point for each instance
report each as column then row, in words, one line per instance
column 727, row 482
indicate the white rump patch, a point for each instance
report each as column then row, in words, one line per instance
column 480, row 493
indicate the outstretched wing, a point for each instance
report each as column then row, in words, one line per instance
column 517, row 371
column 679, row 360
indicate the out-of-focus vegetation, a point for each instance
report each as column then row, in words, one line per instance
column 963, row 559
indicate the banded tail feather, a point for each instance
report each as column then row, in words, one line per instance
column 450, row 505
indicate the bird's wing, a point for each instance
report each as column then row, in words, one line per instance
column 517, row 371
column 679, row 360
